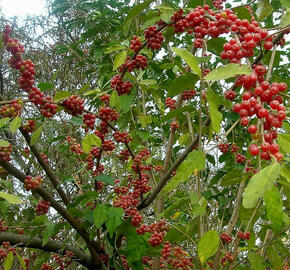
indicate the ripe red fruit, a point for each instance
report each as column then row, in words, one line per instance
column 244, row 121
column 254, row 149
column 265, row 156
column 278, row 156
column 268, row 45
column 274, row 148
column 268, row 137
column 265, row 146
column 252, row 129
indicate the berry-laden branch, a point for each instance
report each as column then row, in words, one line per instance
column 52, row 246
column 93, row 246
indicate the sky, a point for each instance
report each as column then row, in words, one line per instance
column 22, row 8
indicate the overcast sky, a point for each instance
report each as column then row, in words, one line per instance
column 21, row 8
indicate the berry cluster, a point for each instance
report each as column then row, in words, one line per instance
column 11, row 110
column 30, row 126
column 225, row 238
column 3, row 227
column 73, row 105
column 244, row 236
column 32, row 182
column 42, row 207
column 5, row 153
column 122, row 137
column 89, row 121
column 178, row 19
column 218, row 3
column 174, row 125
column 108, row 114
column 121, row 86
column 75, row 146
column 46, row 266
column 170, row 103
column 227, row 258
column 26, row 68
column 5, row 249
column 154, row 37
column 188, row 94
column 230, row 95
column 135, row 44
column 224, row 147
column 124, row 155
column 139, row 62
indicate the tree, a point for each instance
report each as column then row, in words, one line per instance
column 171, row 153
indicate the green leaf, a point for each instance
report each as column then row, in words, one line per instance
column 194, row 162
column 114, row 100
column 15, row 124
column 21, row 261
column 145, row 120
column 284, row 142
column 285, row 172
column 259, row 184
column 137, row 9
column 12, row 199
column 4, row 143
column 61, row 95
column 148, row 82
column 3, row 121
column 8, row 261
column 106, row 179
column 264, row 9
column 100, row 214
column 274, row 207
column 36, row 135
column 89, row 141
column 184, row 82
column 76, row 120
column 216, row 117
column 233, row 177
column 274, row 258
column 215, row 45
column 243, row 13
column 208, row 245
column 84, row 88
column 44, row 86
column 177, row 113
column 256, row 261
column 47, row 233
column 92, row 92
column 120, row 59
column 189, row 58
column 285, row 3
column 114, row 219
column 166, row 13
column 228, row 71
column 115, row 47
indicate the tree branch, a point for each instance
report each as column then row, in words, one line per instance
column 52, row 246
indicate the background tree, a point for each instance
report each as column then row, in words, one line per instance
column 152, row 140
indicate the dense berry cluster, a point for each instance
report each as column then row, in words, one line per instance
column 139, row 62
column 11, row 110
column 174, row 125
column 178, row 19
column 27, row 71
column 121, row 86
column 74, row 105
column 122, row 137
column 89, row 121
column 225, row 238
column 228, row 258
column 3, row 227
column 188, row 94
column 5, row 248
column 135, row 44
column 5, row 153
column 154, row 37
column 244, row 236
column 30, row 126
column 108, row 114
column 32, row 182
column 42, row 207
column 170, row 103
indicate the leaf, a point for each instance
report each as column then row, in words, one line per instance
column 61, row 95
column 3, row 121
column 285, row 3
column 216, row 45
column 4, row 143
column 264, row 9
column 284, row 142
column 259, row 184
column 21, row 261
column 12, row 199
column 120, row 59
column 36, row 135
column 114, row 219
column 76, row 120
column 243, row 13
column 274, row 258
column 89, row 141
column 194, row 162
column 148, row 82
column 145, row 120
column 44, row 86
column 114, row 100
column 184, row 82
column 100, row 214
column 177, row 113
column 84, row 88
column 137, row 9
column 106, row 179
column 92, row 91
column 274, row 207
column 216, row 117
column 166, row 13
column 208, row 245
column 233, row 177
column 8, row 261
column 189, row 58
column 47, row 233
column 257, row 261
column 228, row 71
column 115, row 47
column 285, row 172
column 15, row 124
